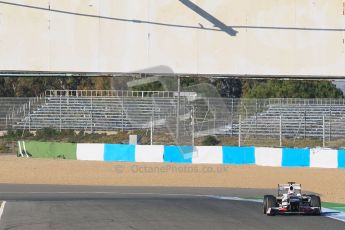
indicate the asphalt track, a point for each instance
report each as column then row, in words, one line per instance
column 36, row 207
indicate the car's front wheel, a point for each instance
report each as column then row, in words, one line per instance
column 315, row 201
column 269, row 202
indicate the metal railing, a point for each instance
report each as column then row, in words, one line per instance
column 108, row 93
column 246, row 119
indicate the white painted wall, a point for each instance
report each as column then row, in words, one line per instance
column 90, row 152
column 268, row 156
column 323, row 158
column 273, row 37
column 207, row 155
column 149, row 153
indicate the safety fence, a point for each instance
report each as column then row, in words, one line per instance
column 185, row 116
column 262, row 156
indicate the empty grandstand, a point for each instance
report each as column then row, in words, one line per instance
column 109, row 110
column 298, row 118
column 99, row 110
column 11, row 108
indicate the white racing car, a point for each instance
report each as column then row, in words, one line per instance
column 290, row 200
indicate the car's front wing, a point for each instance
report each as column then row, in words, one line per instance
column 307, row 210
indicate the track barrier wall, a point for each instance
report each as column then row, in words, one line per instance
column 276, row 157
column 238, row 155
column 119, row 152
column 296, row 157
column 178, row 154
column 91, row 152
column 268, row 156
column 37, row 149
column 208, row 155
column 341, row 158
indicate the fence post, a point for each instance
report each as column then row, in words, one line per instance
column 323, row 131
column 178, row 111
column 151, row 134
column 193, row 127
column 239, row 130
column 91, row 113
column 29, row 122
column 256, row 116
column 232, row 115
column 122, row 112
column 330, row 125
column 152, row 121
column 60, row 114
column 214, row 122
column 305, row 123
column 29, row 116
column 280, row 131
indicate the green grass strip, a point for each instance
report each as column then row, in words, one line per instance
column 52, row 150
column 334, row 206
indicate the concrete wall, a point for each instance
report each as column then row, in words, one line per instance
column 262, row 37
column 276, row 157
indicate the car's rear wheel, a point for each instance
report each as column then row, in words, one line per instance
column 269, row 202
column 315, row 201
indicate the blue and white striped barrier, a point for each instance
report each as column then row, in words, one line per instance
column 276, row 157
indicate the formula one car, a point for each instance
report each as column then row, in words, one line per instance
column 290, row 200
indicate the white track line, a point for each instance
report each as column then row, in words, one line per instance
column 326, row 212
column 114, row 193
column 330, row 213
column 334, row 214
column 2, row 207
column 236, row 198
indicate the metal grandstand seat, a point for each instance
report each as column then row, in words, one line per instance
column 130, row 110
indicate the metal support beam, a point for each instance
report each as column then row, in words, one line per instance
column 193, row 123
column 60, row 114
column 280, row 132
column 239, row 131
column 323, row 131
column 151, row 133
column 178, row 110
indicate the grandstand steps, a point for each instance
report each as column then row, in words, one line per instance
column 259, row 117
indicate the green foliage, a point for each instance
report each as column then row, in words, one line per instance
column 5, row 90
column 35, row 86
column 15, row 135
column 290, row 89
column 154, row 86
column 70, row 136
column 210, row 141
column 231, row 88
column 190, row 81
column 4, row 148
column 47, row 133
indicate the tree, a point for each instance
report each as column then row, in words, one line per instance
column 210, row 141
column 228, row 87
column 35, row 86
column 4, row 89
column 290, row 89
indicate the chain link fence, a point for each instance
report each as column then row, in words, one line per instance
column 162, row 117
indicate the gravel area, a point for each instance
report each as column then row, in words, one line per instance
column 329, row 183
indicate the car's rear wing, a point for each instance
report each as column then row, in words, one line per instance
column 285, row 188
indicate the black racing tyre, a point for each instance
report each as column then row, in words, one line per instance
column 315, row 201
column 265, row 204
column 269, row 202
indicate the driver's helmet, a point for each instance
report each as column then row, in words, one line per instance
column 291, row 190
